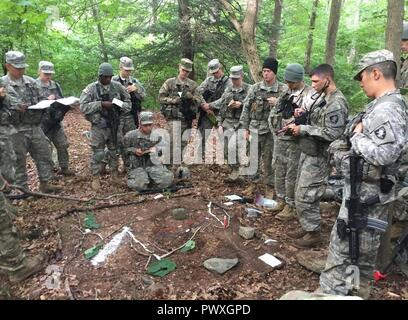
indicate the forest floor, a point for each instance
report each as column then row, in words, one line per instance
column 123, row 275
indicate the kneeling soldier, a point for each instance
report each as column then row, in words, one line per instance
column 142, row 169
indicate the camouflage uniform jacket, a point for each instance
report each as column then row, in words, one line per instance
column 140, row 93
column 229, row 117
column 381, row 144
column 256, row 108
column 173, row 88
column 326, row 123
column 91, row 106
column 299, row 98
column 210, row 84
column 135, row 139
column 7, row 105
column 27, row 91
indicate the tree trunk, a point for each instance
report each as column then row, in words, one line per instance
column 393, row 32
column 276, row 28
column 332, row 29
column 155, row 7
column 247, row 31
column 312, row 26
column 95, row 13
column 186, row 39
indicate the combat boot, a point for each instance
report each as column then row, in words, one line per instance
column 96, row 183
column 46, row 187
column 279, row 207
column 115, row 178
column 309, row 240
column 67, row 172
column 296, row 234
column 287, row 214
column 31, row 265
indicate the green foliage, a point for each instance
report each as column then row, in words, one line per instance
column 72, row 42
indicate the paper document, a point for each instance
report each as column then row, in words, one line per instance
column 233, row 197
column 68, row 101
column 47, row 103
column 117, row 102
column 44, row 104
column 270, row 259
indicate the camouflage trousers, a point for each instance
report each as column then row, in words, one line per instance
column 99, row 139
column 139, row 178
column 334, row 278
column 313, row 173
column 59, row 139
column 11, row 253
column 286, row 161
column 265, row 156
column 37, row 144
column 173, row 154
column 7, row 157
column 231, row 146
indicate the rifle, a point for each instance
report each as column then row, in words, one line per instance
column 402, row 244
column 210, row 96
column 146, row 145
column 171, row 189
column 136, row 107
column 357, row 211
column 112, row 121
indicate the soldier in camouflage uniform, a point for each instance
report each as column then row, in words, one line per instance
column 287, row 151
column 261, row 98
column 107, row 118
column 179, row 100
column 8, row 101
column 378, row 136
column 137, row 95
column 52, row 121
column 325, row 120
column 140, row 146
column 13, row 261
column 230, row 106
column 212, row 88
column 30, row 137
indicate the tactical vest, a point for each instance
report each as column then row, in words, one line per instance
column 260, row 108
column 172, row 111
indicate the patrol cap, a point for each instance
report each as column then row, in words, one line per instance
column 186, row 64
column 236, row 72
column 373, row 58
column 214, row 65
column 105, row 69
column 16, row 59
column 46, row 67
column 146, row 117
column 294, row 72
column 405, row 32
column 126, row 63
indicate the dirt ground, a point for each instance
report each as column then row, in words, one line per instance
column 123, row 275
